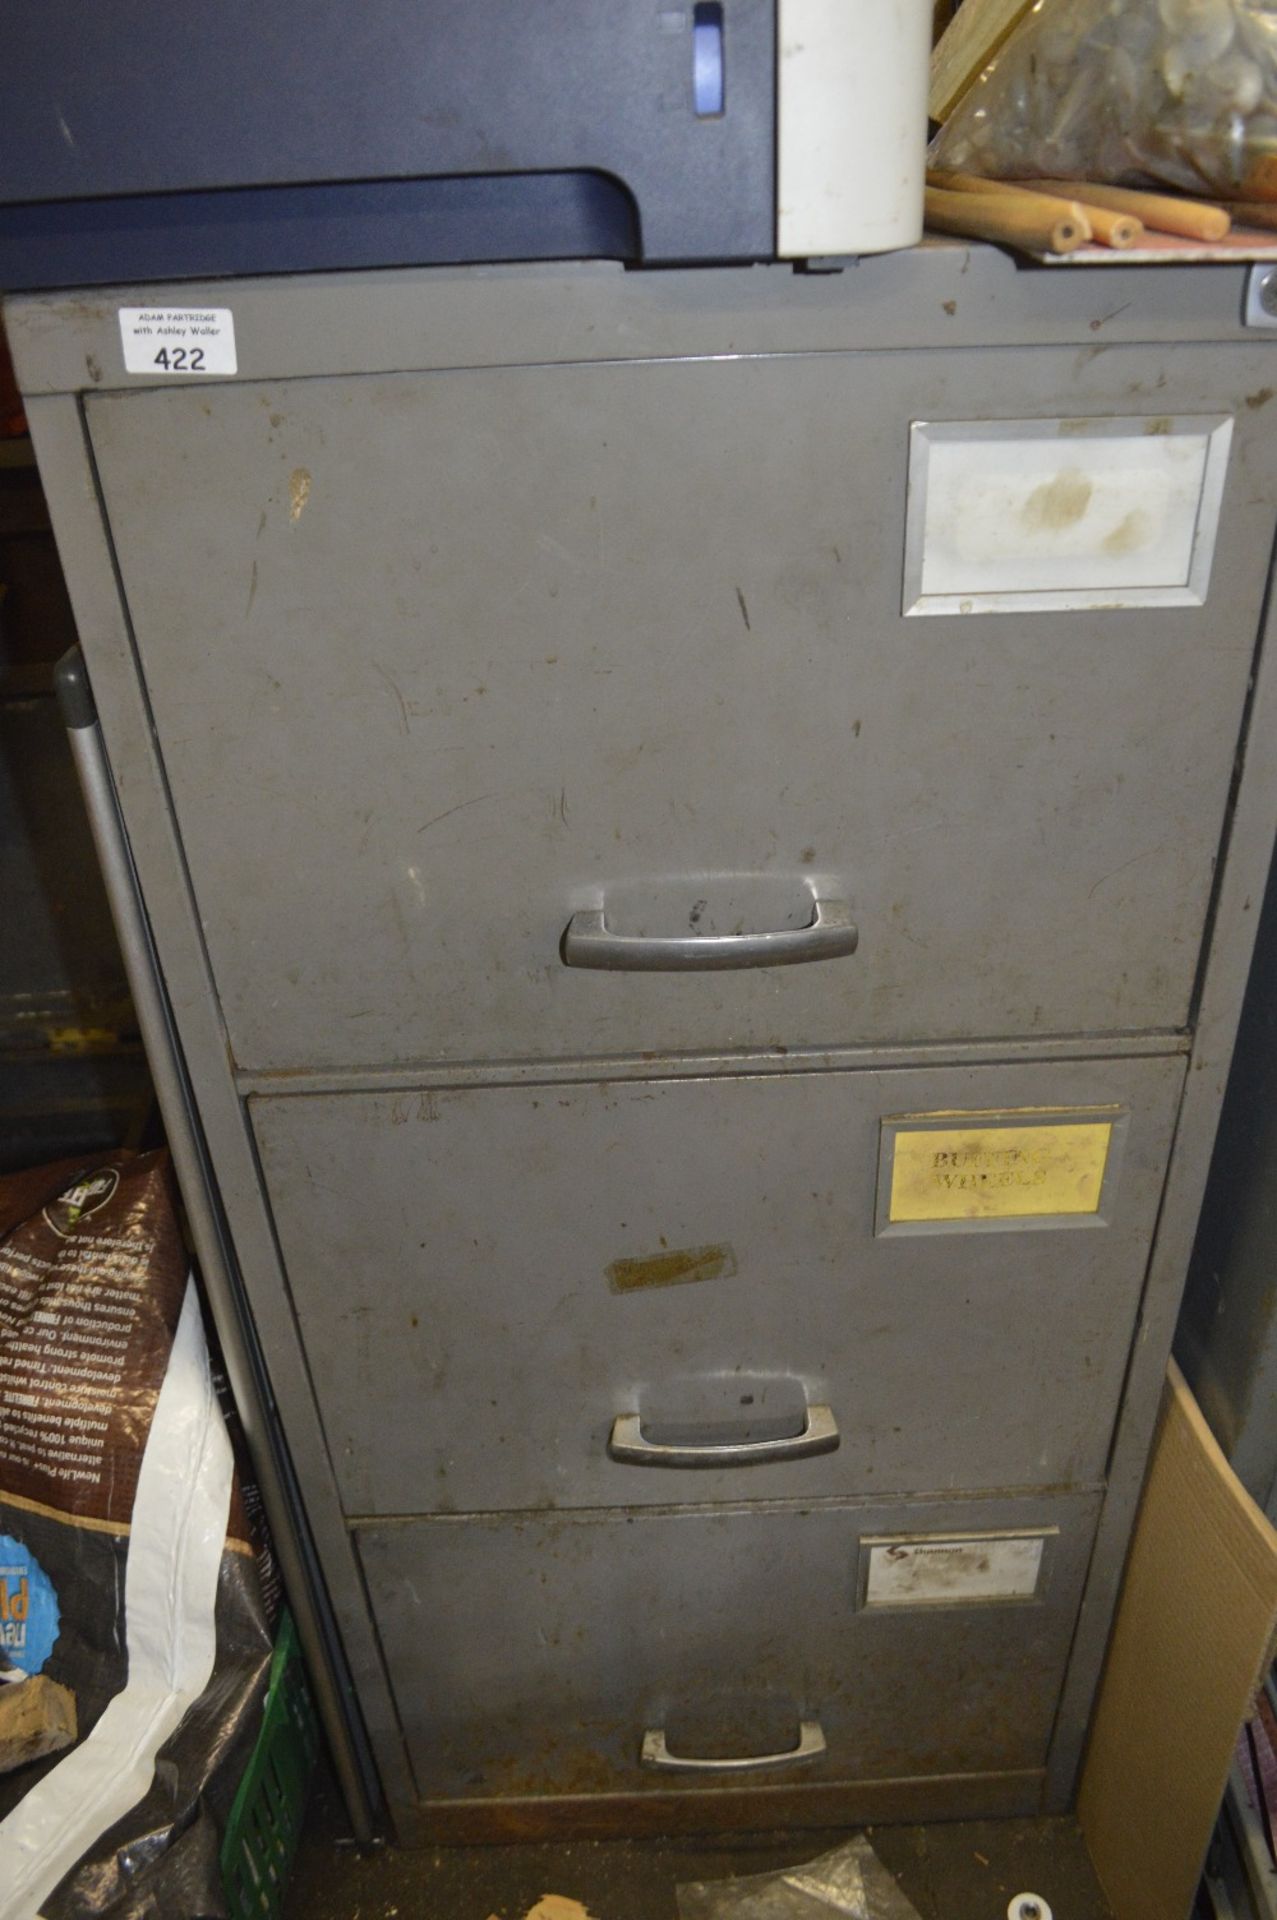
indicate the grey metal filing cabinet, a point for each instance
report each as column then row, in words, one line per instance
column 699, row 831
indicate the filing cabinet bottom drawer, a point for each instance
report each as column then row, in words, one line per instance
column 615, row 1659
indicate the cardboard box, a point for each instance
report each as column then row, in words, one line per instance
column 1193, row 1639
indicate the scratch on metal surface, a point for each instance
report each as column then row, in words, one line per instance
column 1104, row 318
column 393, row 684
column 1145, row 853
column 459, row 808
column 674, row 1268
column 557, row 550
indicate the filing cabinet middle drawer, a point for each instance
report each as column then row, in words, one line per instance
column 722, row 1288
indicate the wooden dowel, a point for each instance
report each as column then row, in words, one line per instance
column 1254, row 213
column 1049, row 205
column 1193, row 219
column 991, row 216
column 1113, row 229
column 1261, row 179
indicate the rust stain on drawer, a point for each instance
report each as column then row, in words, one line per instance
column 674, row 1267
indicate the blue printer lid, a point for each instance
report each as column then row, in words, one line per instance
column 154, row 141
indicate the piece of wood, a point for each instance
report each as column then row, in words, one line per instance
column 942, row 12
column 966, row 47
column 1192, row 1640
column 1254, row 213
column 990, row 216
column 1120, row 230
column 1261, row 178
column 1050, row 206
column 1111, row 229
column 1194, row 219
column 37, row 1717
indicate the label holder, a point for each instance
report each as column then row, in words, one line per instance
column 1047, row 1535
column 1012, row 1120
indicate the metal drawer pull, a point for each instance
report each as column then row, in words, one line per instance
column 655, row 1753
column 626, row 1442
column 588, row 943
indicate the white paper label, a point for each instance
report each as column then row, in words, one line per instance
column 939, row 1572
column 185, row 340
column 1017, row 516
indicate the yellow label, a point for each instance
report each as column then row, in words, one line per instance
column 999, row 1172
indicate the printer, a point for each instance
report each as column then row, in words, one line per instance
column 234, row 137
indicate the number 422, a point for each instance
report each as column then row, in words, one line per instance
column 180, row 359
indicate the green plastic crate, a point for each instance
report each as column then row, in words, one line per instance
column 266, row 1819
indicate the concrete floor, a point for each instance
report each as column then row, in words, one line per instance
column 967, row 1870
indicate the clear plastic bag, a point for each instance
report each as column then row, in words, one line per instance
column 1134, row 92
column 851, row 1881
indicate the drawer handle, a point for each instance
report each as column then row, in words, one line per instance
column 655, row 1753
column 627, row 1443
column 589, row 942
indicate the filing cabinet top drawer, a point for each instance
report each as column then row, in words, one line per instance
column 439, row 661
column 487, row 1281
